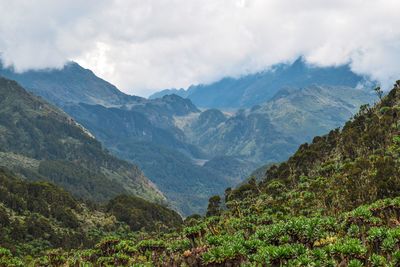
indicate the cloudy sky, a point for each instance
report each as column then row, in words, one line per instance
column 146, row 45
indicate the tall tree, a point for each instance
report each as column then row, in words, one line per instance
column 214, row 206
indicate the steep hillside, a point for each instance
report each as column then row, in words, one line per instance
column 40, row 142
column 254, row 89
column 335, row 202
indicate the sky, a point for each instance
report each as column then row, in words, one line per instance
column 144, row 46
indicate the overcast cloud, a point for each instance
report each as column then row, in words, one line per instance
column 143, row 46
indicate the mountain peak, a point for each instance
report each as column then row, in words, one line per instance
column 253, row 89
column 70, row 84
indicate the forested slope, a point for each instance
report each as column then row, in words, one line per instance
column 335, row 202
column 40, row 142
column 36, row 216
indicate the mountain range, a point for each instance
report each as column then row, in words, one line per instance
column 334, row 202
column 136, row 129
column 269, row 132
column 192, row 153
column 253, row 89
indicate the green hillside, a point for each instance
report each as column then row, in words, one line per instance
column 39, row 215
column 40, row 142
column 335, row 202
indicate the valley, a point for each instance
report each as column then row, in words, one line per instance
column 333, row 202
column 208, row 133
column 184, row 149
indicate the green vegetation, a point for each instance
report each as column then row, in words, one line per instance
column 39, row 216
column 335, row 202
column 186, row 185
column 139, row 213
column 366, row 236
column 191, row 155
column 41, row 148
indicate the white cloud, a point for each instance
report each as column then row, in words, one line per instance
column 142, row 46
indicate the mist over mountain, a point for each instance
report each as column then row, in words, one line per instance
column 254, row 89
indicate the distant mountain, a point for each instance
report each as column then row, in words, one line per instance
column 139, row 130
column 270, row 132
column 180, row 92
column 83, row 86
column 314, row 110
column 75, row 86
column 148, row 121
column 160, row 150
column 40, row 142
column 254, row 89
column 191, row 154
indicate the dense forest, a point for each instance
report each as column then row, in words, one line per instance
column 38, row 216
column 333, row 203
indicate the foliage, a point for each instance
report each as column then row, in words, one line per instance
column 36, row 216
column 293, row 241
column 139, row 213
column 335, row 202
column 214, row 206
